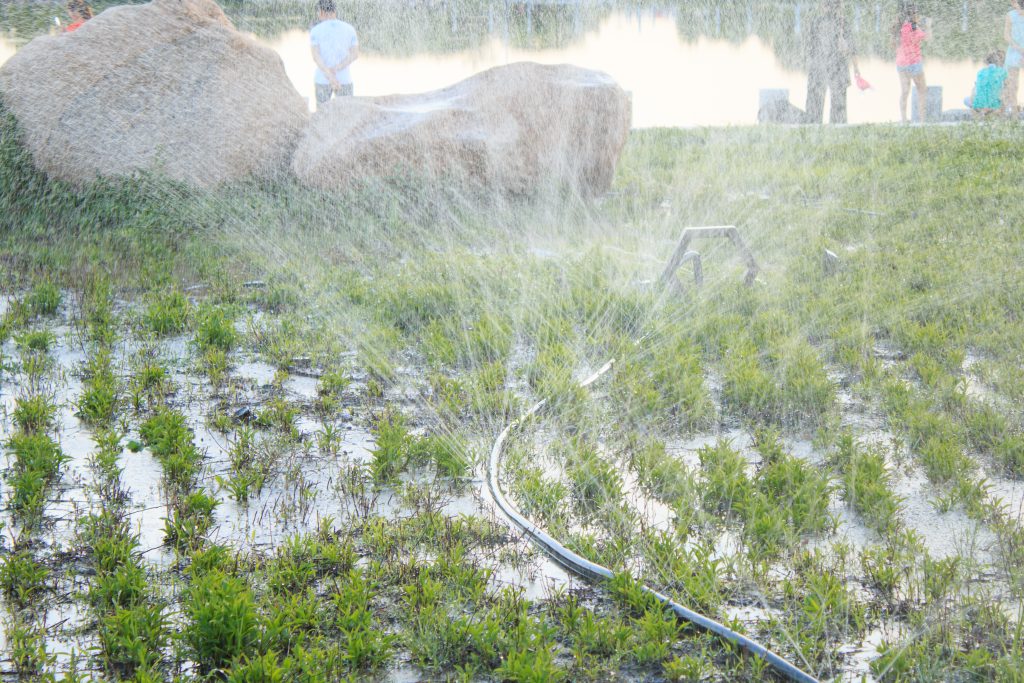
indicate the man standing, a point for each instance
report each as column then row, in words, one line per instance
column 828, row 51
column 335, row 47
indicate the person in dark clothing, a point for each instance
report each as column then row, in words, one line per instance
column 828, row 51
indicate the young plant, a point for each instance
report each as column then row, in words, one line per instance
column 44, row 299
column 168, row 313
column 34, row 413
column 215, row 330
column 222, row 624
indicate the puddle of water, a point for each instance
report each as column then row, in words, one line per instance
column 539, row 578
column 1010, row 493
column 858, row 656
column 749, row 614
column 945, row 535
column 257, row 372
column 302, row 387
column 141, row 478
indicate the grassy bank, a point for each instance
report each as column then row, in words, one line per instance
column 830, row 458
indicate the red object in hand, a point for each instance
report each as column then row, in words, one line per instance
column 861, row 83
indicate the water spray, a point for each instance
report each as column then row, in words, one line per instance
column 581, row 566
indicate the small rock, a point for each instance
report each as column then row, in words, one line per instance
column 830, row 262
column 244, row 414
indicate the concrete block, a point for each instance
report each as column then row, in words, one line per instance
column 932, row 104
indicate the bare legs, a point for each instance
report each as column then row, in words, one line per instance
column 904, row 95
column 1010, row 92
column 922, row 94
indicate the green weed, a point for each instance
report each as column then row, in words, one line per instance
column 133, row 639
column 22, row 578
column 44, row 299
column 867, row 484
column 34, row 413
column 215, row 330
column 36, row 340
column 222, row 624
column 190, row 520
column 168, row 313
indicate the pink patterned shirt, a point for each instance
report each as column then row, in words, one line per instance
column 909, row 50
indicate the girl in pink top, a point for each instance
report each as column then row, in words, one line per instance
column 80, row 12
column 908, row 38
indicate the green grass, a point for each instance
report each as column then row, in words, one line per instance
column 222, row 622
column 438, row 317
column 168, row 313
column 33, row 414
column 36, row 464
column 43, row 299
column 867, row 484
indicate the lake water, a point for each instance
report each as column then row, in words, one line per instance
column 674, row 80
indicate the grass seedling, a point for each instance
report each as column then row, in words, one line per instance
column 36, row 340
column 22, row 578
column 241, row 485
column 168, row 313
column 124, row 587
column 34, row 413
column 391, row 453
column 867, row 484
column 222, row 624
column 44, row 299
column 170, row 439
column 132, row 640
column 27, row 647
column 215, row 330
column 191, row 519
column 596, row 483
column 98, row 401
column 330, row 389
column 262, row 668
column 37, row 460
column 328, row 440
column 663, row 476
column 279, row 414
column 334, row 382
column 446, row 453
column 726, row 485
column 149, row 386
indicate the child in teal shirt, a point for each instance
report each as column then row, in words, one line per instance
column 988, row 88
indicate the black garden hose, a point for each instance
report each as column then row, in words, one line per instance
column 583, row 567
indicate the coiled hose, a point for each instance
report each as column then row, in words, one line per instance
column 583, row 567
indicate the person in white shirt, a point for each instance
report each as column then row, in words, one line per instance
column 335, row 47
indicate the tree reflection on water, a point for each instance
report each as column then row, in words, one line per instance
column 963, row 28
